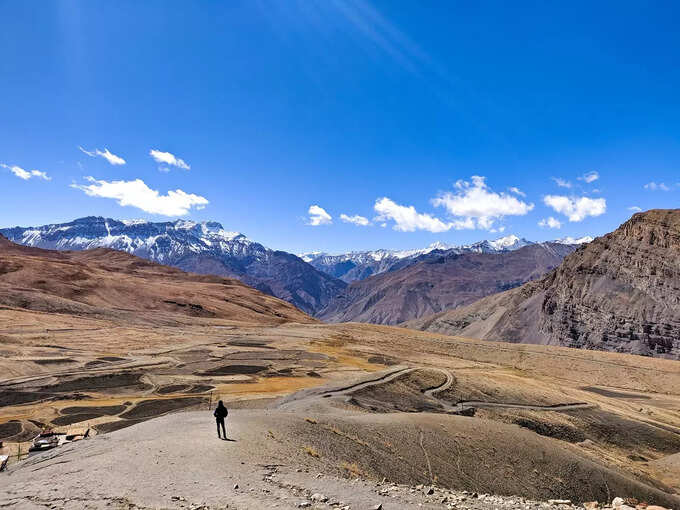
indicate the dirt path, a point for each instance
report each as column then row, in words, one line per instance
column 390, row 376
column 458, row 407
column 447, row 384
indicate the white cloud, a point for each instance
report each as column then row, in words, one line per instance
column 168, row 159
column 356, row 220
column 550, row 223
column 318, row 216
column 635, row 208
column 108, row 156
column 657, row 186
column 137, row 194
column 589, row 177
column 26, row 174
column 475, row 205
column 406, row 218
column 517, row 191
column 562, row 183
column 576, row 208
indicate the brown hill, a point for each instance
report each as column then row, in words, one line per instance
column 441, row 282
column 106, row 284
column 619, row 293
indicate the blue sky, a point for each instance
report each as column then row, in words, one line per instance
column 381, row 111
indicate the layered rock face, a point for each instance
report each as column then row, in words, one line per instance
column 620, row 293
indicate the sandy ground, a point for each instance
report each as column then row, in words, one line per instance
column 177, row 462
column 626, row 419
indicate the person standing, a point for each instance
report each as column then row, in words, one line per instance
column 220, row 414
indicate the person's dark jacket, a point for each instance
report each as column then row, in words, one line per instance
column 221, row 412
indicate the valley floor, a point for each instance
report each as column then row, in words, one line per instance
column 329, row 409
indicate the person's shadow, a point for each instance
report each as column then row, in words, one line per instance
column 228, row 439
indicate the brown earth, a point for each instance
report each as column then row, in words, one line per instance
column 325, row 404
column 619, row 293
column 108, row 284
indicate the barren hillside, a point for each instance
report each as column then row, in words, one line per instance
column 108, row 284
column 619, row 293
column 440, row 282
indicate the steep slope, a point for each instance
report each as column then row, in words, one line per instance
column 619, row 293
column 104, row 283
column 204, row 248
column 440, row 281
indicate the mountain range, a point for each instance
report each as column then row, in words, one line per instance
column 439, row 280
column 620, row 293
column 314, row 282
column 104, row 284
column 358, row 265
column 204, row 248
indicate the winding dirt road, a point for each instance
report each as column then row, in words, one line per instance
column 459, row 406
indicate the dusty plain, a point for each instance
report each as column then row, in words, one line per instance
column 347, row 401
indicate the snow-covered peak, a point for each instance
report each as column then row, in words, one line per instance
column 511, row 242
column 309, row 256
column 572, row 240
column 161, row 242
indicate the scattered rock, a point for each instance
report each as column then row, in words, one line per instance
column 430, row 491
column 617, row 502
column 377, row 507
column 559, row 501
column 235, row 486
column 304, row 504
column 319, row 497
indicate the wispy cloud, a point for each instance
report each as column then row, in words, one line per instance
column 26, row 174
column 517, row 191
column 475, row 205
column 356, row 220
column 137, row 194
column 406, row 218
column 318, row 216
column 167, row 158
column 576, row 208
column 550, row 222
column 657, row 186
column 106, row 154
column 562, row 183
column 589, row 177
column 635, row 208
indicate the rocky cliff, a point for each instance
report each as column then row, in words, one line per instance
column 619, row 293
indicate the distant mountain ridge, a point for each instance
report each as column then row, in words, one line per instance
column 358, row 265
column 440, row 280
column 205, row 248
column 311, row 282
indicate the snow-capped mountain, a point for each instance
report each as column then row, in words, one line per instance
column 160, row 242
column 507, row 243
column 358, row 265
column 205, row 248
column 574, row 240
